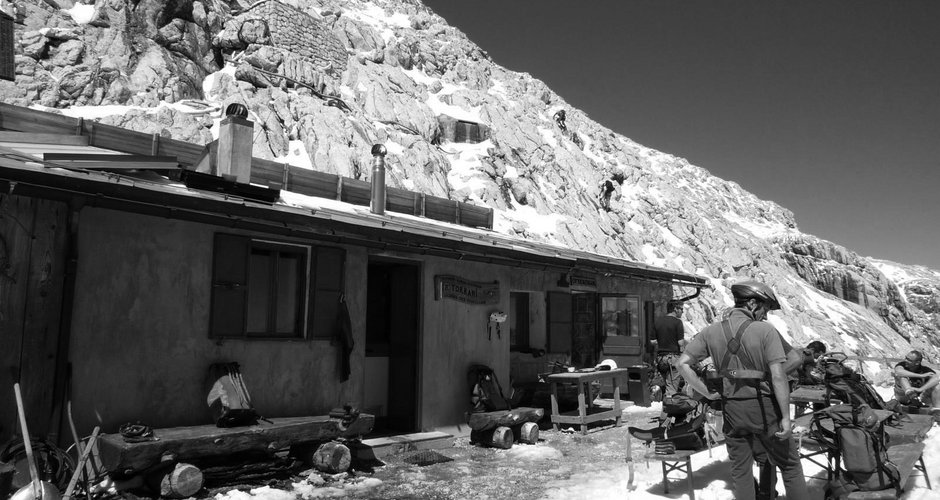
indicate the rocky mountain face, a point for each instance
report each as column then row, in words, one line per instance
column 326, row 79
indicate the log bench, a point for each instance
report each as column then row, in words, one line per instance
column 201, row 441
column 500, row 428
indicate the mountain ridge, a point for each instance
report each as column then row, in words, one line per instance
column 170, row 69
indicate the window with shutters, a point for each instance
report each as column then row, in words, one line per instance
column 264, row 289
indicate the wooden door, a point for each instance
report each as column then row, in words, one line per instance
column 392, row 336
column 584, row 345
column 621, row 323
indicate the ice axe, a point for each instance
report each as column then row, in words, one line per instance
column 36, row 489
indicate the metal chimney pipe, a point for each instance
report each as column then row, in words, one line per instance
column 378, row 179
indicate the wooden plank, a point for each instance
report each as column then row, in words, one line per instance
column 269, row 173
column 440, row 209
column 400, row 200
column 187, row 443
column 312, row 183
column 107, row 157
column 15, row 239
column 475, row 216
column 32, row 244
column 21, row 119
column 34, row 138
column 43, row 307
column 356, row 192
column 106, row 165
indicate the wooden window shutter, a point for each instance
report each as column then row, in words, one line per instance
column 328, row 286
column 229, row 285
column 559, row 322
column 474, row 135
column 7, row 65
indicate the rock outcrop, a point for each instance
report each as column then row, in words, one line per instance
column 326, row 79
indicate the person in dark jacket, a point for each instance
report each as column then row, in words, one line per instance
column 668, row 339
column 754, row 391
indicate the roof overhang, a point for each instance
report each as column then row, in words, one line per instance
column 26, row 176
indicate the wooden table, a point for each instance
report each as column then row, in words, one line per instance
column 583, row 380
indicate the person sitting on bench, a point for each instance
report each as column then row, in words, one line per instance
column 914, row 383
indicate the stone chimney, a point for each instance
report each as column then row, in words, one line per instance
column 235, row 144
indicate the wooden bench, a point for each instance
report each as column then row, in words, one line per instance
column 906, row 457
column 201, row 441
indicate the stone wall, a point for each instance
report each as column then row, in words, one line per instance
column 274, row 23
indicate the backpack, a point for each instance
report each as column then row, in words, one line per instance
column 844, row 384
column 857, row 434
column 228, row 397
column 485, row 392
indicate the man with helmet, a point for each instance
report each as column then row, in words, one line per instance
column 914, row 383
column 748, row 354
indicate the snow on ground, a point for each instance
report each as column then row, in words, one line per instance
column 441, row 108
column 564, row 465
column 81, row 13
column 651, row 256
column 534, row 222
column 761, row 229
column 465, row 165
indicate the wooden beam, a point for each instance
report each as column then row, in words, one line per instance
column 109, row 161
column 114, row 165
column 107, row 157
column 31, row 138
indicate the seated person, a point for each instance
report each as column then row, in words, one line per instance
column 806, row 372
column 914, row 383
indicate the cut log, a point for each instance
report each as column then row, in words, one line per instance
column 332, row 458
column 492, row 419
column 527, row 433
column 180, row 481
column 500, row 437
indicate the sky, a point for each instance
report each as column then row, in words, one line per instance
column 830, row 109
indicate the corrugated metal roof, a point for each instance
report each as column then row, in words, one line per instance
column 24, row 171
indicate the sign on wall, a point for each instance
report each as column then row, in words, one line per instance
column 461, row 290
column 583, row 283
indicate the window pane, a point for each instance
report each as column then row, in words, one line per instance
column 259, row 289
column 621, row 316
column 289, row 267
column 633, row 316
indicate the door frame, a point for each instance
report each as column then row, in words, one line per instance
column 418, row 267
